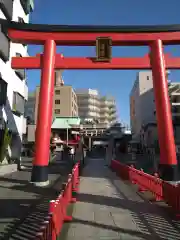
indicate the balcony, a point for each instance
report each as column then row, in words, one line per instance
column 18, row 104
column 104, row 109
column 21, row 73
column 88, row 101
column 7, row 8
column 28, row 5
column 4, row 46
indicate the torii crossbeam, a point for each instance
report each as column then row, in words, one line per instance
column 90, row 63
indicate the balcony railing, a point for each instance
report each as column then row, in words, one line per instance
column 104, row 109
column 18, row 104
column 4, row 45
column 7, row 7
column 20, row 73
column 88, row 102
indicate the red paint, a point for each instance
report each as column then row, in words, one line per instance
column 89, row 39
column 43, row 130
column 88, row 63
column 163, row 107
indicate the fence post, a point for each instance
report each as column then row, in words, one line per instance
column 66, row 200
column 52, row 206
column 74, row 179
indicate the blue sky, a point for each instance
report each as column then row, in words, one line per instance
column 104, row 12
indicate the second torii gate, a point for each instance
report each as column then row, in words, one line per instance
column 50, row 36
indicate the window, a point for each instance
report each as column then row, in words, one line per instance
column 3, row 92
column 147, row 77
column 57, row 111
column 18, row 103
column 57, row 92
column 4, row 45
column 57, row 101
column 18, row 55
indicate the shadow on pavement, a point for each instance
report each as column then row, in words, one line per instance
column 153, row 220
column 150, row 218
column 23, row 206
column 113, row 228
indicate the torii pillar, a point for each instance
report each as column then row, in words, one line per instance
column 43, row 129
column 168, row 168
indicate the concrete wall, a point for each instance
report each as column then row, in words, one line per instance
column 144, row 104
column 135, row 109
column 31, row 133
column 151, row 134
column 66, row 103
column 147, row 102
column 177, row 134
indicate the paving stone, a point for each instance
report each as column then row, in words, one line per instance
column 19, row 199
column 110, row 209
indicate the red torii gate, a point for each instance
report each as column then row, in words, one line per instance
column 50, row 36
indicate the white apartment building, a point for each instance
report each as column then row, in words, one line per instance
column 108, row 113
column 13, row 86
column 92, row 106
column 143, row 109
column 88, row 104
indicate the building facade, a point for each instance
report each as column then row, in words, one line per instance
column 92, row 106
column 108, row 113
column 143, row 109
column 88, row 104
column 13, row 86
column 30, row 107
column 64, row 105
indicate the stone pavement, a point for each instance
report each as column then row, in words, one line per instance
column 109, row 208
column 22, row 205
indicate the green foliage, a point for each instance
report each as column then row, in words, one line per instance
column 6, row 142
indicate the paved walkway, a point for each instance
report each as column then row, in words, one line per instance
column 22, row 204
column 109, row 208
